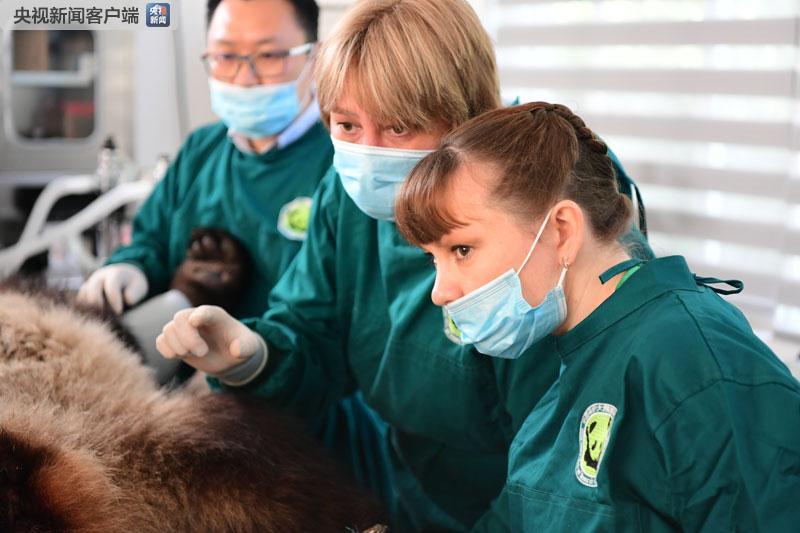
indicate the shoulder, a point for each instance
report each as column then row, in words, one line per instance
column 330, row 191
column 669, row 310
column 721, row 333
column 685, row 343
column 331, row 195
column 317, row 137
column 205, row 138
column 195, row 152
column 334, row 213
column 327, row 201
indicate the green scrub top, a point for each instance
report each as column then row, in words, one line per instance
column 211, row 183
column 353, row 312
column 668, row 414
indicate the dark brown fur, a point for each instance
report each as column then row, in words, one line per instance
column 215, row 271
column 88, row 443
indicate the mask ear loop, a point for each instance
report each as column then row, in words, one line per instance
column 564, row 264
column 535, row 241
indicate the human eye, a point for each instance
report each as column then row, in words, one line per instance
column 461, row 251
column 345, row 126
column 269, row 57
column 398, row 130
column 225, row 57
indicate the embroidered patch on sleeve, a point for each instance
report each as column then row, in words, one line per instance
column 595, row 431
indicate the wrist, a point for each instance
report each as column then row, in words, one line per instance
column 248, row 370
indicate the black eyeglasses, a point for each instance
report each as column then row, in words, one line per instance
column 264, row 65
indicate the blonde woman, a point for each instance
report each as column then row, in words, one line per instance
column 353, row 313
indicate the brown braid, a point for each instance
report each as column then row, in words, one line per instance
column 583, row 133
column 593, row 181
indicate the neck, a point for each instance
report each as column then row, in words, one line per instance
column 265, row 143
column 583, row 290
column 262, row 144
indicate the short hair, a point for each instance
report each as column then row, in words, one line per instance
column 306, row 12
column 539, row 152
column 413, row 63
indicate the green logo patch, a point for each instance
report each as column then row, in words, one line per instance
column 294, row 217
column 595, row 431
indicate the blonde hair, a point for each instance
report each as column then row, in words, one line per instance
column 413, row 63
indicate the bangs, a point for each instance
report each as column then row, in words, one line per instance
column 421, row 212
column 372, row 92
column 389, row 97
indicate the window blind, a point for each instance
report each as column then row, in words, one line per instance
column 699, row 99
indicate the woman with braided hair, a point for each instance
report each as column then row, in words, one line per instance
column 668, row 412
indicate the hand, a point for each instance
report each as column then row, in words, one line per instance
column 215, row 270
column 117, row 284
column 209, row 339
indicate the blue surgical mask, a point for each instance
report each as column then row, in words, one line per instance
column 497, row 320
column 372, row 174
column 258, row 111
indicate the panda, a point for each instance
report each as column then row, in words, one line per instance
column 88, row 442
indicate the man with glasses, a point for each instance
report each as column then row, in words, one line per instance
column 249, row 177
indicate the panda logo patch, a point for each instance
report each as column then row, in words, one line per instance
column 595, row 431
column 294, row 217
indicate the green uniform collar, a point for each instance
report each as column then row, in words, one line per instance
column 616, row 269
column 627, row 275
column 280, row 153
column 653, row 279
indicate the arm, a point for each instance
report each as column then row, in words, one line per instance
column 305, row 328
column 142, row 268
column 732, row 453
column 149, row 247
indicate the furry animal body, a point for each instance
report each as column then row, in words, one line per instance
column 88, row 443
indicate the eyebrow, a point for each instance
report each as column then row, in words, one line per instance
column 265, row 40
column 448, row 239
column 339, row 111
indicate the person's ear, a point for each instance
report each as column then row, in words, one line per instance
column 570, row 225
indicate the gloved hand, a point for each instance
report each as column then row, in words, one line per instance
column 215, row 270
column 117, row 284
column 213, row 342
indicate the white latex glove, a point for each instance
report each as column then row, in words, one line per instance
column 115, row 283
column 214, row 342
